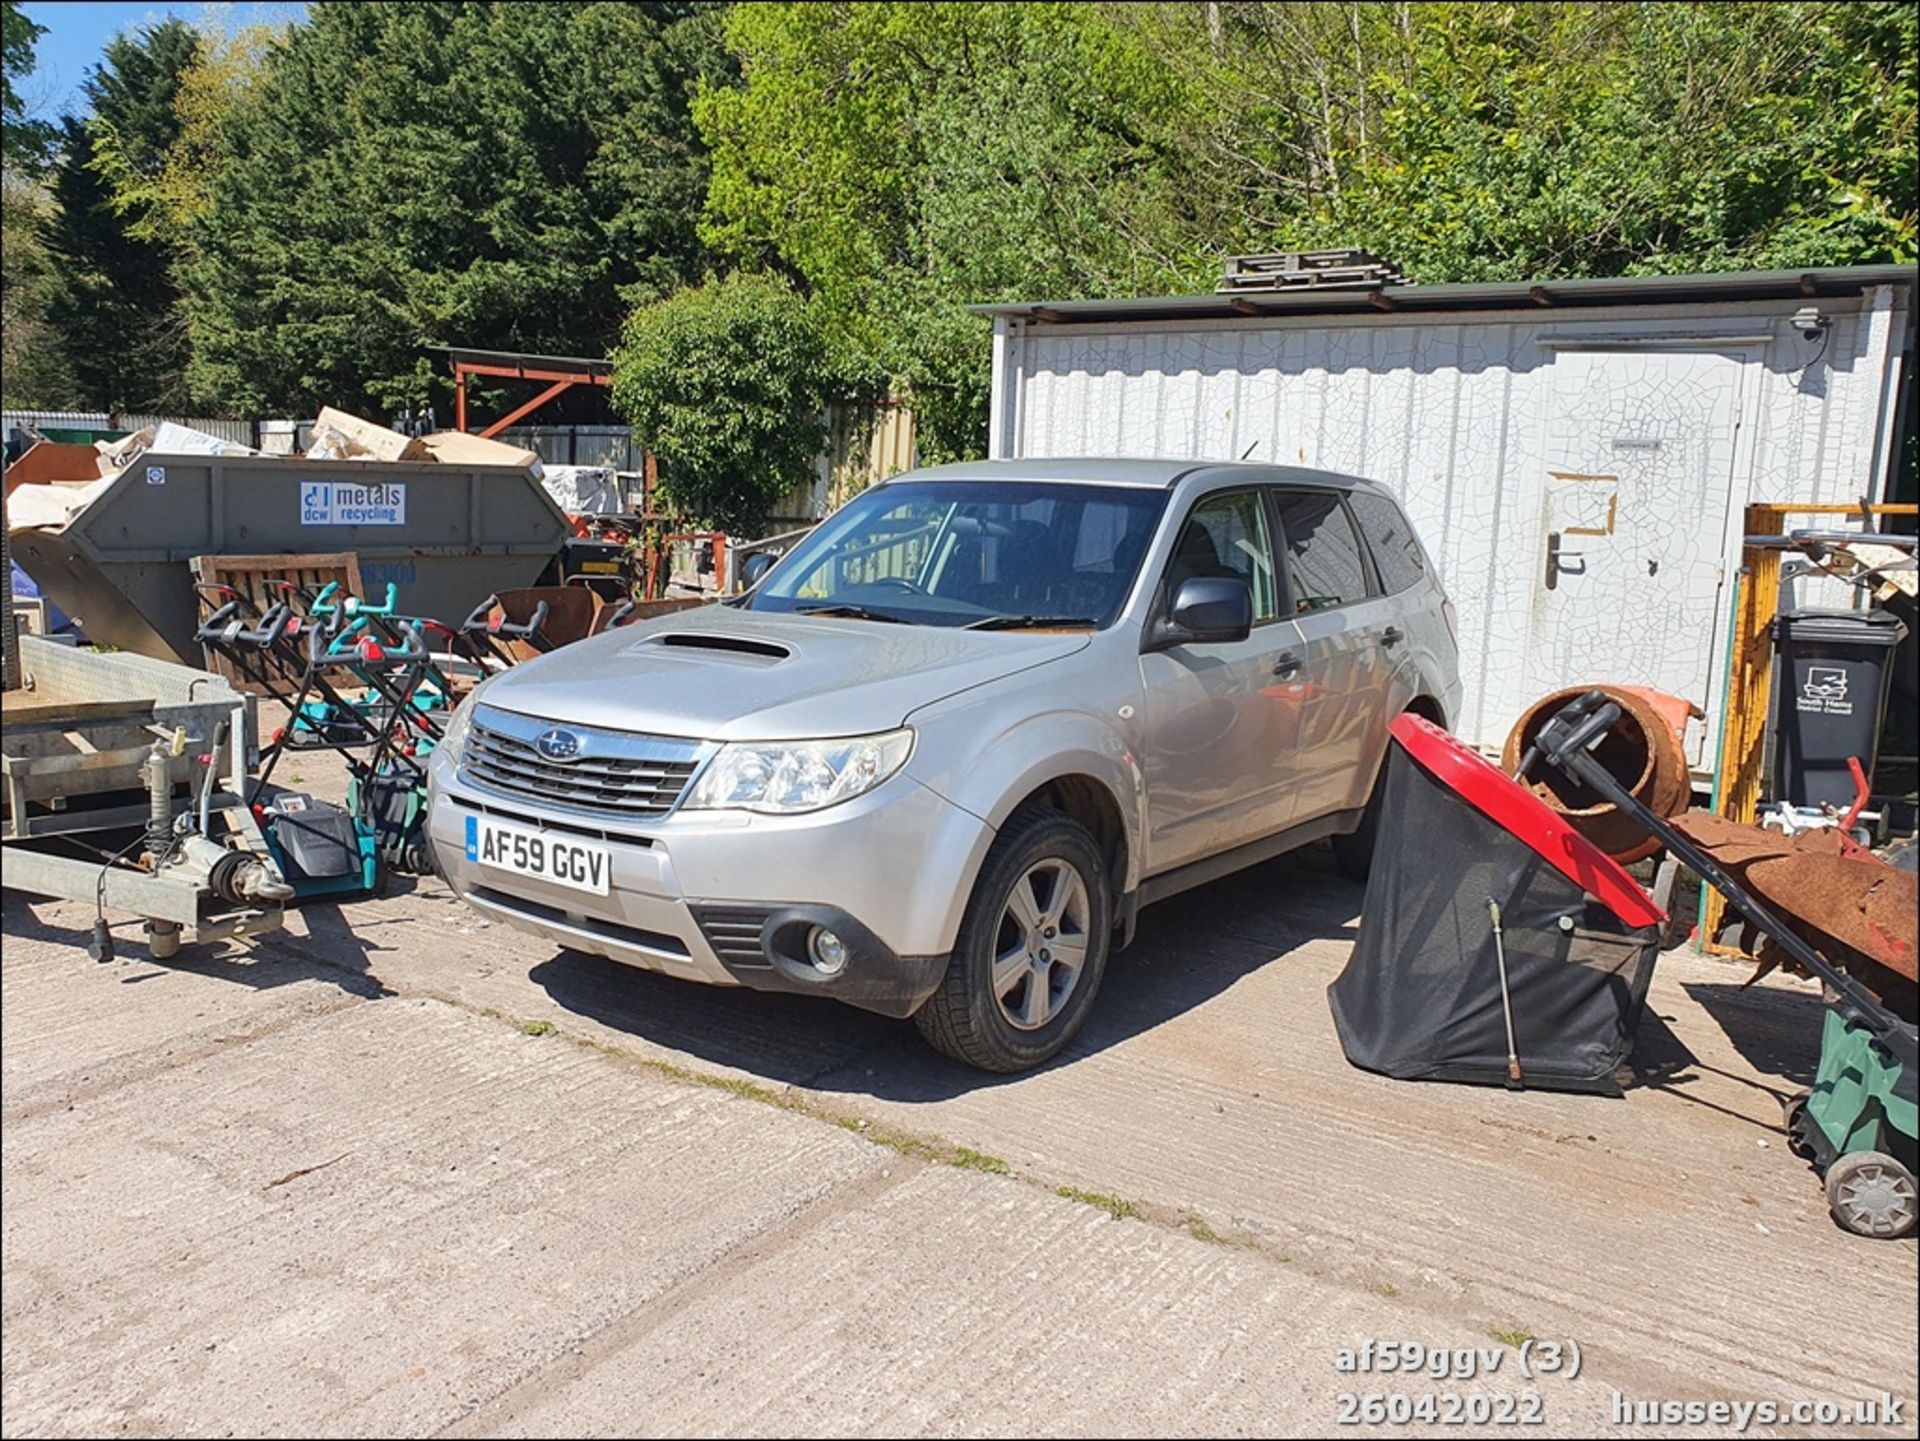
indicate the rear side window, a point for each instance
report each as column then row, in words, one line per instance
column 1396, row 553
column 1324, row 565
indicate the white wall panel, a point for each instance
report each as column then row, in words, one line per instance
column 1457, row 415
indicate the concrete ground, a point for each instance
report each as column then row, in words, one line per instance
column 397, row 1171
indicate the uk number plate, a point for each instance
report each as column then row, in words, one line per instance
column 555, row 856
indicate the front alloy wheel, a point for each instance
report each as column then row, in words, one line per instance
column 1041, row 948
column 1031, row 950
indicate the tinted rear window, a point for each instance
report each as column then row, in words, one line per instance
column 1324, row 564
column 1396, row 551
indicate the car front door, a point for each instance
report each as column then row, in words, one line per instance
column 1213, row 754
column 1333, row 699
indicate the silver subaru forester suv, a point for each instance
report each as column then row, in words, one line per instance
column 936, row 759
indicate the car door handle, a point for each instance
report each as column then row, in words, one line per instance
column 1392, row 636
column 1287, row 663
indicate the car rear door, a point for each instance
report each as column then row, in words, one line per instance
column 1332, row 692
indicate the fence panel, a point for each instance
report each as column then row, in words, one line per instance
column 608, row 445
column 241, row 432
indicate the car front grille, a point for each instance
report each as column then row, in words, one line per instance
column 610, row 772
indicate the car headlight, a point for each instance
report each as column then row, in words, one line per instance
column 787, row 777
column 453, row 740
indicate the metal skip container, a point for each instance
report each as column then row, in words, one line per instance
column 446, row 535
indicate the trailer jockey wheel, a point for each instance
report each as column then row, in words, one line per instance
column 1872, row 1195
column 163, row 939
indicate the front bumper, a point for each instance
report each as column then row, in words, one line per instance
column 727, row 898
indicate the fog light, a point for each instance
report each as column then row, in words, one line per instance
column 827, row 951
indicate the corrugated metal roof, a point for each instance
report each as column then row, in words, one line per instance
column 1504, row 295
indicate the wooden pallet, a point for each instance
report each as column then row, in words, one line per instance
column 1307, row 270
column 248, row 574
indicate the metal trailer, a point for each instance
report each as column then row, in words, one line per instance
column 95, row 745
column 445, row 535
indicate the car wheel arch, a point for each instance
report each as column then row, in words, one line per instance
column 1090, row 801
column 1427, row 708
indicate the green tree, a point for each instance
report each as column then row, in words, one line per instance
column 510, row 177
column 729, row 381
column 1495, row 141
column 24, row 140
column 905, row 159
column 115, row 311
column 33, row 365
column 32, row 369
column 161, row 197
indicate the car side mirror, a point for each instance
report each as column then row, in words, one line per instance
column 1208, row 608
column 754, row 568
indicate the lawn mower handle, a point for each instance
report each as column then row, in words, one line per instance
column 355, row 605
column 218, row 588
column 270, row 628
column 1565, row 743
column 412, row 649
column 478, row 623
column 1576, row 726
column 223, row 625
column 226, row 626
column 288, row 589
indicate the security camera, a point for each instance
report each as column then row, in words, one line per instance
column 1809, row 321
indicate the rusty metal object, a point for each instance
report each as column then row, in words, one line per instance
column 1645, row 751
column 570, row 614
column 1847, row 903
column 575, row 612
column 1675, row 710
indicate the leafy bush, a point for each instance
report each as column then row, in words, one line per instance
column 728, row 382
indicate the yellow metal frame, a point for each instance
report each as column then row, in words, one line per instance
column 1743, row 725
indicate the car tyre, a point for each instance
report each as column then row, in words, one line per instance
column 1031, row 950
column 1353, row 852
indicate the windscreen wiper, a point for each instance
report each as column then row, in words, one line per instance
column 1033, row 622
column 856, row 612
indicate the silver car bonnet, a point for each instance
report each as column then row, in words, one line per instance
column 722, row 673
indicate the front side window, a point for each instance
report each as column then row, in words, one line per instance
column 1396, row 551
column 966, row 552
column 1324, row 565
column 1226, row 535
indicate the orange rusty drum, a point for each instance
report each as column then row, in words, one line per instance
column 1645, row 751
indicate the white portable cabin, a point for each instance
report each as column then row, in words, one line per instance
column 1576, row 454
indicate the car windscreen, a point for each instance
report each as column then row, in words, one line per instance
column 972, row 552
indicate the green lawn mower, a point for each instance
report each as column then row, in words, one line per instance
column 383, row 730
column 1856, row 1126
